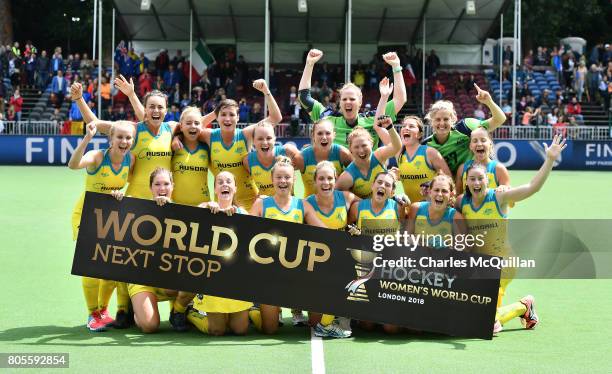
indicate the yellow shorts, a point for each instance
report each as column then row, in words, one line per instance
column 159, row 293
column 214, row 304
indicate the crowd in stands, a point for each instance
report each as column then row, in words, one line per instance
column 581, row 78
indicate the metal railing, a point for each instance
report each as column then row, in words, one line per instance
column 283, row 130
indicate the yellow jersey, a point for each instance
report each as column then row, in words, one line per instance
column 229, row 158
column 362, row 184
column 295, row 213
column 104, row 179
column 414, row 171
column 190, row 174
column 310, row 166
column 436, row 233
column 337, row 218
column 487, row 220
column 262, row 176
column 149, row 151
column 384, row 222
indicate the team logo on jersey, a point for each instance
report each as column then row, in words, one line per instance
column 239, row 150
column 296, row 217
column 488, row 211
column 418, row 163
column 104, row 174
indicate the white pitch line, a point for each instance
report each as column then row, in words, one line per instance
column 316, row 353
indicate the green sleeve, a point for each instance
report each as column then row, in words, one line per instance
column 390, row 110
column 474, row 123
column 317, row 109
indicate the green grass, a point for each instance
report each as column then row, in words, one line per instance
column 43, row 307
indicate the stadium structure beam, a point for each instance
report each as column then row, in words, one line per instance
column 198, row 27
column 382, row 22
column 495, row 22
column 161, row 28
column 419, row 22
column 231, row 13
column 450, row 36
column 122, row 25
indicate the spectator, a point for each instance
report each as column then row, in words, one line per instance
column 162, row 61
column 506, row 108
column 174, row 95
column 145, row 82
column 185, row 101
column 325, row 90
column 59, row 87
column 529, row 115
column 242, row 70
column 178, row 58
column 10, row 114
column 432, row 64
column 315, row 91
column 92, row 106
column 479, row 113
column 459, row 84
column 371, row 77
column 553, row 117
column 16, row 103
column 143, row 63
column 42, row 71
column 560, row 127
column 105, row 92
column 174, row 114
column 568, row 69
column 439, row 90
column 121, row 114
column 58, row 118
column 30, row 67
column 171, row 77
column 159, row 84
column 1, row 123
column 57, row 62
column 508, row 55
column 2, row 95
column 109, row 114
column 256, row 113
column 244, row 110
column 359, row 77
column 469, row 84
column 574, row 109
column 86, row 65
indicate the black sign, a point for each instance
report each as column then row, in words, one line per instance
column 279, row 263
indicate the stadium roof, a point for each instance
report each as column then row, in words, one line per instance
column 374, row 21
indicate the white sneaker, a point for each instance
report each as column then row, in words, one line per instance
column 331, row 331
column 298, row 318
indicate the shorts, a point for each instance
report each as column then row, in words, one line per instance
column 159, row 293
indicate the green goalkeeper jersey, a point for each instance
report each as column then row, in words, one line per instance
column 343, row 129
column 456, row 149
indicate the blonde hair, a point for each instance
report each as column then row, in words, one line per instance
column 123, row 125
column 350, row 85
column 442, row 105
column 263, row 123
column 233, row 179
column 159, row 170
column 358, row 131
column 281, row 161
column 323, row 165
column 189, row 109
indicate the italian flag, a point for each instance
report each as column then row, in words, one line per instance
column 201, row 59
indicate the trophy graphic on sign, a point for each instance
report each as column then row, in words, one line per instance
column 364, row 269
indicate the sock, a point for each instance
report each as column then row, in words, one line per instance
column 123, row 297
column 508, row 312
column 105, row 291
column 90, row 290
column 255, row 316
column 326, row 319
column 500, row 296
column 198, row 320
column 177, row 307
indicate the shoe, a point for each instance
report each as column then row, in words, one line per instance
column 124, row 319
column 298, row 319
column 106, row 319
column 530, row 318
column 178, row 321
column 94, row 323
column 497, row 327
column 331, row 331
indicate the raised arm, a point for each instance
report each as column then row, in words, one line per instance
column 305, row 99
column 399, row 92
column 497, row 115
column 385, row 123
column 128, row 90
column 344, row 181
column 78, row 160
column 524, row 191
column 76, row 95
column 274, row 113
